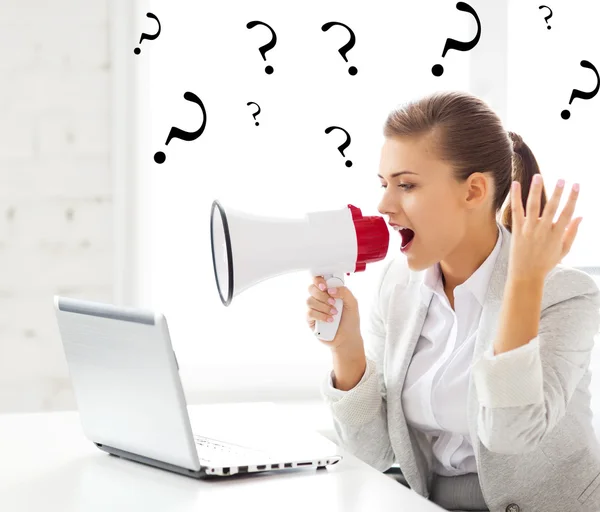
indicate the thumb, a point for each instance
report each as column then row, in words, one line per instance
column 569, row 236
column 344, row 293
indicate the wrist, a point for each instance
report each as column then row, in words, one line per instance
column 351, row 351
column 347, row 372
column 530, row 280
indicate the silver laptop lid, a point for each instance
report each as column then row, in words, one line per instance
column 125, row 379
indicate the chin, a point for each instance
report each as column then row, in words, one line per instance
column 417, row 265
column 416, row 268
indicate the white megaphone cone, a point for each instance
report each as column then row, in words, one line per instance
column 248, row 249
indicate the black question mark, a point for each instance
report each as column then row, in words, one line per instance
column 547, row 17
column 255, row 113
column 344, row 145
column 347, row 47
column 176, row 133
column 565, row 114
column 453, row 44
column 148, row 36
column 269, row 46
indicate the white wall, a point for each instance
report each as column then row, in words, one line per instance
column 56, row 201
column 266, row 352
column 61, row 156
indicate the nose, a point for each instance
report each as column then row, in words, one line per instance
column 385, row 207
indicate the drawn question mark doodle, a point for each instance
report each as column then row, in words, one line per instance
column 255, row 113
column 344, row 145
column 269, row 46
column 148, row 36
column 547, row 17
column 176, row 133
column 453, row 44
column 347, row 47
column 565, row 114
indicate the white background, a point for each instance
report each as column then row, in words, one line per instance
column 260, row 346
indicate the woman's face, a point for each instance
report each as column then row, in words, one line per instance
column 428, row 201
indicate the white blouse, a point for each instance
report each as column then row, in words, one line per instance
column 434, row 397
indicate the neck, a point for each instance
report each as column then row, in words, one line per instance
column 469, row 255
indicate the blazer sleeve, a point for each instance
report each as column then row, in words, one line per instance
column 525, row 392
column 360, row 414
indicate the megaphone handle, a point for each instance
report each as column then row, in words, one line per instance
column 326, row 331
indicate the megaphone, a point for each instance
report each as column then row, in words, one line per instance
column 248, row 249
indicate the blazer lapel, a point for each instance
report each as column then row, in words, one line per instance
column 407, row 317
column 488, row 327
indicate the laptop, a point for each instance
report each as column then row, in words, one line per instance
column 131, row 402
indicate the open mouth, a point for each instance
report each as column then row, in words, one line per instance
column 407, row 235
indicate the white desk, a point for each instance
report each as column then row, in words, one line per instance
column 46, row 464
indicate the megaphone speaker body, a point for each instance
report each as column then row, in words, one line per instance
column 248, row 249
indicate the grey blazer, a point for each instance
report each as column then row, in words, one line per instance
column 534, row 443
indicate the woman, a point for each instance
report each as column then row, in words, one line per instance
column 473, row 376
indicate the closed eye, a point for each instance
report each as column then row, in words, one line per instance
column 405, row 186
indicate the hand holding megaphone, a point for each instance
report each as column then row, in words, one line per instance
column 345, row 329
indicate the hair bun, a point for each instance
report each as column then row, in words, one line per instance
column 516, row 140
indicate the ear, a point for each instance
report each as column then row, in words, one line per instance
column 478, row 190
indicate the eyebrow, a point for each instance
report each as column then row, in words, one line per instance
column 396, row 174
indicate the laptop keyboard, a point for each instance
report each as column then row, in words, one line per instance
column 211, row 450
